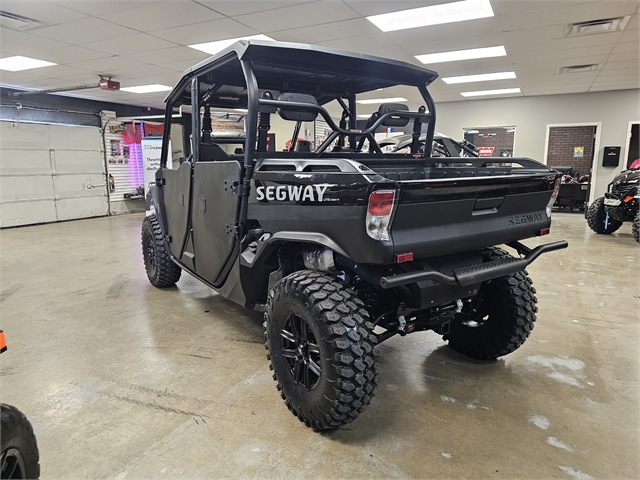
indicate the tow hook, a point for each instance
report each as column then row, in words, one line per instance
column 402, row 323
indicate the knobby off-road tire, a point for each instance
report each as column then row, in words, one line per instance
column 320, row 345
column 162, row 272
column 597, row 217
column 19, row 457
column 499, row 319
column 635, row 228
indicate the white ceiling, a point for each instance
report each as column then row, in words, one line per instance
column 144, row 41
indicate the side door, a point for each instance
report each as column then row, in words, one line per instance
column 175, row 191
column 214, row 212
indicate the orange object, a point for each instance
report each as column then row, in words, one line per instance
column 628, row 199
column 3, row 342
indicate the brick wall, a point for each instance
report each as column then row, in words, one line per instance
column 503, row 139
column 562, row 141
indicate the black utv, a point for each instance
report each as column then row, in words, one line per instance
column 620, row 203
column 344, row 246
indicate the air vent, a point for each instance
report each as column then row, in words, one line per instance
column 593, row 27
column 18, row 22
column 580, row 68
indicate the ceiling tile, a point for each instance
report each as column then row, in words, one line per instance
column 181, row 65
column 357, row 43
column 534, row 34
column 572, row 54
column 20, row 43
column 138, row 42
column 47, row 13
column 18, row 78
column 329, row 31
column 471, row 67
column 623, row 56
column 451, row 44
column 140, row 71
column 626, row 47
column 70, row 54
column 602, row 88
column 368, row 7
column 504, row 7
column 168, row 14
column 106, row 64
column 167, row 55
column 205, row 32
column 435, row 33
column 532, row 65
column 565, row 43
column 96, row 8
column 232, row 8
column 169, row 79
column 299, row 15
column 555, row 91
column 567, row 14
column 83, row 31
column 61, row 71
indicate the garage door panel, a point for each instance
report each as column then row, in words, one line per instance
column 27, row 213
column 75, row 138
column 80, row 186
column 25, row 188
column 78, row 161
column 21, row 136
column 25, row 162
column 70, row 208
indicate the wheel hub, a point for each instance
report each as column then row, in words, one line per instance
column 301, row 351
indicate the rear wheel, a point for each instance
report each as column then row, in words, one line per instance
column 320, row 344
column 161, row 270
column 19, row 457
column 499, row 319
column 597, row 218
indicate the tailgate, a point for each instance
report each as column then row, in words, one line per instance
column 440, row 217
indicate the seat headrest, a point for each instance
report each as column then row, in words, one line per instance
column 393, row 120
column 298, row 115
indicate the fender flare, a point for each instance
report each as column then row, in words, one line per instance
column 319, row 239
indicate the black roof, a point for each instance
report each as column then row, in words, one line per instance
column 301, row 68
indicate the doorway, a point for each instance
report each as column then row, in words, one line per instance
column 572, row 150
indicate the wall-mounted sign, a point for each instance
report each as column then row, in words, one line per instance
column 578, row 152
column 486, row 151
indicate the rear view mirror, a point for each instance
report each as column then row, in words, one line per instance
column 298, row 115
column 393, row 120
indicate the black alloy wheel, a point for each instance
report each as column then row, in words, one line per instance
column 301, row 351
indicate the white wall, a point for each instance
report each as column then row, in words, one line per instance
column 531, row 115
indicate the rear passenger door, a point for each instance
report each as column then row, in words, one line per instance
column 214, row 211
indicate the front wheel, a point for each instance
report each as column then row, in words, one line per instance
column 19, row 455
column 320, row 344
column 499, row 319
column 598, row 220
column 161, row 270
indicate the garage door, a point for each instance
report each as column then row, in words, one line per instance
column 50, row 173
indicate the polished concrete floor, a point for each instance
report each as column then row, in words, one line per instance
column 122, row 380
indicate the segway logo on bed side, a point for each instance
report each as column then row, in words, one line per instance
column 291, row 193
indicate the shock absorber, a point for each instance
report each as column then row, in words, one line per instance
column 417, row 129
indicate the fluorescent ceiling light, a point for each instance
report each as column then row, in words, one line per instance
column 214, row 47
column 146, row 89
column 484, row 77
column 363, row 116
column 481, row 93
column 381, row 100
column 15, row 64
column 457, row 55
column 433, row 15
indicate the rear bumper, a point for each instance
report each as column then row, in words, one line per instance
column 475, row 273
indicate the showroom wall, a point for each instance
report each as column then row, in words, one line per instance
column 531, row 115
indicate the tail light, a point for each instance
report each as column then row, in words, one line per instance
column 379, row 214
column 554, row 195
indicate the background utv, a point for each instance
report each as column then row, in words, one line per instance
column 346, row 246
